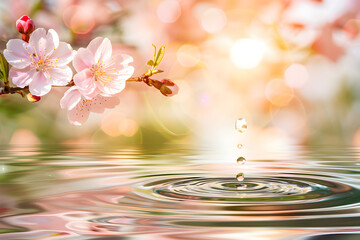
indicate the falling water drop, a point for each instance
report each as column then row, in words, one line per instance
column 240, row 146
column 241, row 125
column 240, row 177
column 241, row 160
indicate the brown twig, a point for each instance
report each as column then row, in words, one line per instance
column 11, row 90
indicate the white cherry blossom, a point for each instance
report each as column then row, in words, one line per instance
column 40, row 63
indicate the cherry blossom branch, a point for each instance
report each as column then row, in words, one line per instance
column 143, row 78
column 97, row 80
column 10, row 90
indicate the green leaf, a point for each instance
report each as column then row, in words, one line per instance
column 159, row 56
column 150, row 63
column 157, row 71
column 4, row 68
column 9, row 230
column 3, row 40
column 154, row 52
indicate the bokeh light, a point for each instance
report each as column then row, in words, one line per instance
column 116, row 124
column 110, row 123
column 247, row 53
column 79, row 19
column 24, row 137
column 296, row 75
column 168, row 11
column 352, row 28
column 127, row 127
column 213, row 20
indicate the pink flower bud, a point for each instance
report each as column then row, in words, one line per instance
column 33, row 98
column 25, row 25
column 168, row 88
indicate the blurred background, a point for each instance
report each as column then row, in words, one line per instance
column 291, row 68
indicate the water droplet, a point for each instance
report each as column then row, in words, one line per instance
column 240, row 146
column 241, row 160
column 240, row 177
column 241, row 125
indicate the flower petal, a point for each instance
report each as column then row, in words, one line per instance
column 52, row 38
column 16, row 53
column 95, row 44
column 125, row 74
column 119, row 68
column 39, row 85
column 118, row 82
column 120, row 59
column 38, row 42
column 21, row 77
column 99, row 103
column 62, row 55
column 71, row 98
column 37, row 35
column 111, row 88
column 101, row 49
column 79, row 114
column 85, row 81
column 83, row 59
column 60, row 76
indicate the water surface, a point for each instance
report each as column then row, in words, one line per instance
column 178, row 192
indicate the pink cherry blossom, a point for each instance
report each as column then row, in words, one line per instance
column 80, row 107
column 98, row 72
column 40, row 63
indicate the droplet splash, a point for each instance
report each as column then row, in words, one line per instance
column 240, row 177
column 241, row 160
column 241, row 125
column 241, row 186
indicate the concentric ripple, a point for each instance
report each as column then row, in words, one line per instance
column 177, row 193
column 254, row 194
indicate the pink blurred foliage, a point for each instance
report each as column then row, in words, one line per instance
column 324, row 25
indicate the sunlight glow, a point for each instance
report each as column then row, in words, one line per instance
column 278, row 93
column 247, row 53
column 188, row 55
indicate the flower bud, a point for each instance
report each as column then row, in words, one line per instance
column 168, row 88
column 25, row 25
column 33, row 98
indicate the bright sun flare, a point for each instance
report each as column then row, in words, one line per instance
column 247, row 53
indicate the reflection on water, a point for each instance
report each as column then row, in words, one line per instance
column 178, row 192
